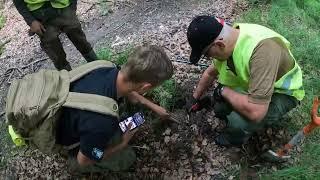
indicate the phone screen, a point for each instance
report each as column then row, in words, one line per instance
column 136, row 120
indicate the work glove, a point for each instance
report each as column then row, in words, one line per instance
column 194, row 105
column 217, row 93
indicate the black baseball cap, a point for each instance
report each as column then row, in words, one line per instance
column 202, row 31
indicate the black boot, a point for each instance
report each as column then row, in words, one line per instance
column 68, row 67
column 90, row 56
column 231, row 137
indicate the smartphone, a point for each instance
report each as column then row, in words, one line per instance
column 136, row 120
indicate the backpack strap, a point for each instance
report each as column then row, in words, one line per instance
column 92, row 102
column 82, row 70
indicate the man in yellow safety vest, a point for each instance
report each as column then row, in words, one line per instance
column 258, row 78
column 47, row 19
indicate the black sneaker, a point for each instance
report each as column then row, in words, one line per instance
column 221, row 140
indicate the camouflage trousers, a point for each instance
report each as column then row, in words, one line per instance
column 239, row 129
column 62, row 20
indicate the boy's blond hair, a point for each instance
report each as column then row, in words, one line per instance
column 148, row 64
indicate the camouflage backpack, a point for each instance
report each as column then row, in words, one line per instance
column 34, row 104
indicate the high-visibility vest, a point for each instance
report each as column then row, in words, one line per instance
column 36, row 4
column 249, row 37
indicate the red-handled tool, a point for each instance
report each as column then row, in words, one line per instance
column 282, row 153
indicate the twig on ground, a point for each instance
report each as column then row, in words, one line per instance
column 4, row 43
column 174, row 118
column 152, row 11
column 167, row 48
column 19, row 70
column 86, row 2
column 9, row 78
column 10, row 71
column 34, row 62
column 118, row 27
column 89, row 9
column 141, row 147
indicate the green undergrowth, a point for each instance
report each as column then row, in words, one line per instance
column 105, row 7
column 299, row 22
column 167, row 95
column 118, row 58
column 2, row 22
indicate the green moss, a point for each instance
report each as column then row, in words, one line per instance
column 166, row 94
column 106, row 53
column 2, row 20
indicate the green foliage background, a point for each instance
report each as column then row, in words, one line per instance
column 299, row 22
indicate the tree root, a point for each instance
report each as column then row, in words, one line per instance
column 11, row 71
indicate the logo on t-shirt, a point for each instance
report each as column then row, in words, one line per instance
column 97, row 153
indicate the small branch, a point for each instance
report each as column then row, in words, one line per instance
column 10, row 71
column 19, row 70
column 9, row 78
column 89, row 9
column 87, row 2
column 4, row 43
column 174, row 118
column 141, row 147
column 118, row 27
column 34, row 62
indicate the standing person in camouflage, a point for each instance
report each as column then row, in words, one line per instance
column 47, row 19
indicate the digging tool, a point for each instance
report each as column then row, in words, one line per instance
column 154, row 107
column 160, row 110
column 282, row 154
column 188, row 62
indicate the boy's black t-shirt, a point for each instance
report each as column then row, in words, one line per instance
column 93, row 130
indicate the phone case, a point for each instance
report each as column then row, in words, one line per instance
column 137, row 120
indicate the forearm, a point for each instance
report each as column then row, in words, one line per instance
column 205, row 82
column 149, row 104
column 240, row 103
column 24, row 11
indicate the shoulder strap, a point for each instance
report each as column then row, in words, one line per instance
column 92, row 102
column 82, row 70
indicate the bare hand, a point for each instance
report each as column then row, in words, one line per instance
column 163, row 113
column 37, row 27
column 126, row 137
